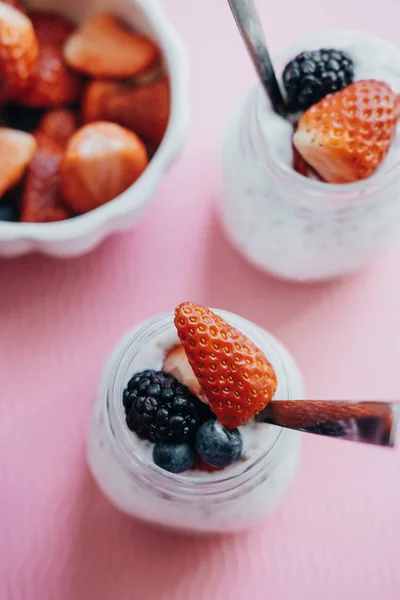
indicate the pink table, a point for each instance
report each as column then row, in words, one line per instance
column 337, row 533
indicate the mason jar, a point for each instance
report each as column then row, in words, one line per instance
column 227, row 500
column 301, row 228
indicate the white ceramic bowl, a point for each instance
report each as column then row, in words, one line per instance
column 81, row 234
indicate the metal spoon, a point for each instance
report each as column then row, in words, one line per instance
column 367, row 422
column 250, row 27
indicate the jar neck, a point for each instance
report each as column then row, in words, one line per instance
column 136, row 463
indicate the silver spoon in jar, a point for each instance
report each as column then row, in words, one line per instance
column 249, row 25
column 366, row 422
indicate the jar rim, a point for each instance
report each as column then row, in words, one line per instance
column 150, row 473
column 312, row 188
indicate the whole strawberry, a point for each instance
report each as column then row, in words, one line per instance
column 235, row 375
column 345, row 136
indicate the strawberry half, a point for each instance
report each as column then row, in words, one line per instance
column 103, row 47
column 52, row 82
column 18, row 51
column 144, row 108
column 41, row 199
column 100, row 162
column 16, row 151
column 345, row 136
column 235, row 375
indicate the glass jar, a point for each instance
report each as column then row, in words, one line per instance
column 222, row 501
column 301, row 228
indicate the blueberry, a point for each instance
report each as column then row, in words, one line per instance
column 8, row 213
column 174, row 458
column 218, row 446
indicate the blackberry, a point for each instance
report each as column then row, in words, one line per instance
column 313, row 74
column 159, row 408
column 333, row 428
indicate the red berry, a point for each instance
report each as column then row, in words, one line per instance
column 235, row 375
column 345, row 136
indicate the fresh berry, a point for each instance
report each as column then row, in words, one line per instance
column 314, row 74
column 20, row 117
column 41, row 199
column 103, row 47
column 100, row 162
column 177, row 364
column 16, row 151
column 158, row 407
column 346, row 135
column 59, row 124
column 143, row 109
column 18, row 51
column 235, row 375
column 51, row 28
column 8, row 213
column 217, row 445
column 303, row 414
column 175, row 458
column 52, row 82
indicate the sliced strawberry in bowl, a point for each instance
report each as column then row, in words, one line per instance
column 100, row 162
column 52, row 82
column 346, row 136
column 103, row 47
column 144, row 109
column 18, row 51
column 42, row 201
column 16, row 151
column 235, row 375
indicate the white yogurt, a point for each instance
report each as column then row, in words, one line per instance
column 222, row 501
column 299, row 228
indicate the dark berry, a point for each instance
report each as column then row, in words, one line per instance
column 312, row 75
column 175, row 458
column 158, row 407
column 218, row 446
column 332, row 428
column 8, row 213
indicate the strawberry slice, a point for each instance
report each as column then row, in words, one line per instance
column 16, row 151
column 235, row 375
column 345, row 136
column 52, row 83
column 101, row 161
column 103, row 47
column 144, row 109
column 177, row 364
column 59, row 124
column 41, row 199
column 18, row 51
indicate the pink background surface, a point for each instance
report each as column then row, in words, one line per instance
column 337, row 533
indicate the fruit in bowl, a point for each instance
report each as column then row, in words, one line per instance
column 84, row 109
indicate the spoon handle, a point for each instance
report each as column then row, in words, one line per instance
column 367, row 422
column 249, row 25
